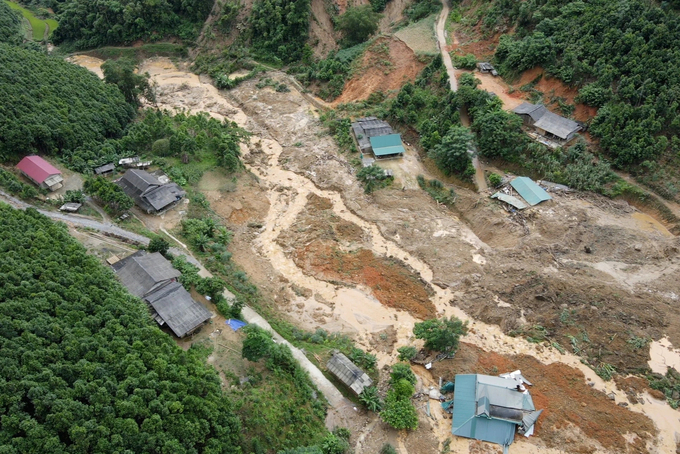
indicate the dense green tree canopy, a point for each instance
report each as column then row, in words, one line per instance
column 49, row 105
column 625, row 55
column 122, row 73
column 10, row 25
column 358, row 23
column 280, row 28
column 451, row 155
column 83, row 367
column 91, row 24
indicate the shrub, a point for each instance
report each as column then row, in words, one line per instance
column 399, row 413
column 370, row 398
column 407, row 353
column 257, row 343
column 402, row 371
column 468, row 61
column 358, row 23
column 495, row 180
column 158, row 244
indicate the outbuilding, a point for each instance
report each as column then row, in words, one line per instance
column 546, row 123
column 41, row 172
column 377, row 137
column 105, row 169
column 348, row 373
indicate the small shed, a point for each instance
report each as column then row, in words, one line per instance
column 389, row 146
column 348, row 373
column 70, row 207
column 547, row 123
column 41, row 172
column 105, row 169
column 173, row 305
column 486, row 67
column 530, row 191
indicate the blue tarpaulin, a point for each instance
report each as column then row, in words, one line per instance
column 235, row 324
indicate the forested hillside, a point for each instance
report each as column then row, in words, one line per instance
column 50, row 105
column 91, row 24
column 10, row 25
column 623, row 55
column 83, row 366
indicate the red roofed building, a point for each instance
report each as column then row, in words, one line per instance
column 41, row 172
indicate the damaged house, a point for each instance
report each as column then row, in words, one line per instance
column 148, row 192
column 348, row 373
column 492, row 408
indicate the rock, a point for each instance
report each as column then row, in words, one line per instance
column 611, row 396
column 637, row 247
column 622, row 404
column 587, row 249
column 583, row 404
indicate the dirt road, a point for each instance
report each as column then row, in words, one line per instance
column 441, row 43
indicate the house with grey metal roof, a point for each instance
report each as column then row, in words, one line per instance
column 492, row 409
column 370, row 134
column 174, row 306
column 105, row 169
column 547, row 123
column 148, row 192
column 143, row 273
column 152, row 278
column 348, row 373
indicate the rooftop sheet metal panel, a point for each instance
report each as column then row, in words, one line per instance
column 387, row 145
column 163, row 196
column 347, row 372
column 105, row 168
column 557, row 125
column 37, row 168
column 140, row 272
column 465, row 405
column 511, row 200
column 530, row 191
column 177, row 309
column 386, row 151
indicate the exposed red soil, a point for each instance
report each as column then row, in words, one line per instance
column 387, row 65
column 332, row 249
column 566, row 399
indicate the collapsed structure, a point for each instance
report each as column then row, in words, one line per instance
column 546, row 123
column 491, row 408
column 377, row 137
column 148, row 192
column 531, row 193
column 152, row 278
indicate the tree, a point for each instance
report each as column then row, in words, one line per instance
column 452, row 155
column 358, row 23
column 158, row 244
column 121, row 73
column 499, row 134
column 373, row 177
column 257, row 344
column 441, row 334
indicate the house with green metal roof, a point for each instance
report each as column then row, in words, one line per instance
column 492, row 409
column 388, row 146
column 529, row 190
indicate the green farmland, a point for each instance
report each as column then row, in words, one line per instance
column 38, row 25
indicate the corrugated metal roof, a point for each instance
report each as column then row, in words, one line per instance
column 557, row 125
column 163, row 196
column 514, row 201
column 488, row 408
column 530, row 191
column 387, row 145
column 535, row 111
column 141, row 273
column 177, row 309
column 348, row 373
column 148, row 192
column 37, row 169
column 105, row 168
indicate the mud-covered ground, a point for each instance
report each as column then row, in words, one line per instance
column 581, row 274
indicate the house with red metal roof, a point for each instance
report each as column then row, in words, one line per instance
column 41, row 172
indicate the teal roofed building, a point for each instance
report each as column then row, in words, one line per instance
column 492, row 409
column 388, row 146
column 529, row 190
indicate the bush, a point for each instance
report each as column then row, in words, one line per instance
column 468, row 61
column 158, row 244
column 388, row 449
column 407, row 353
column 333, row 444
column 402, row 371
column 399, row 412
column 257, row 343
column 495, row 180
column 441, row 334
column 370, row 398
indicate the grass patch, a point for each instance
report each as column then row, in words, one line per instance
column 38, row 25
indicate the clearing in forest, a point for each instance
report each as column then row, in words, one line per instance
column 39, row 26
column 419, row 37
